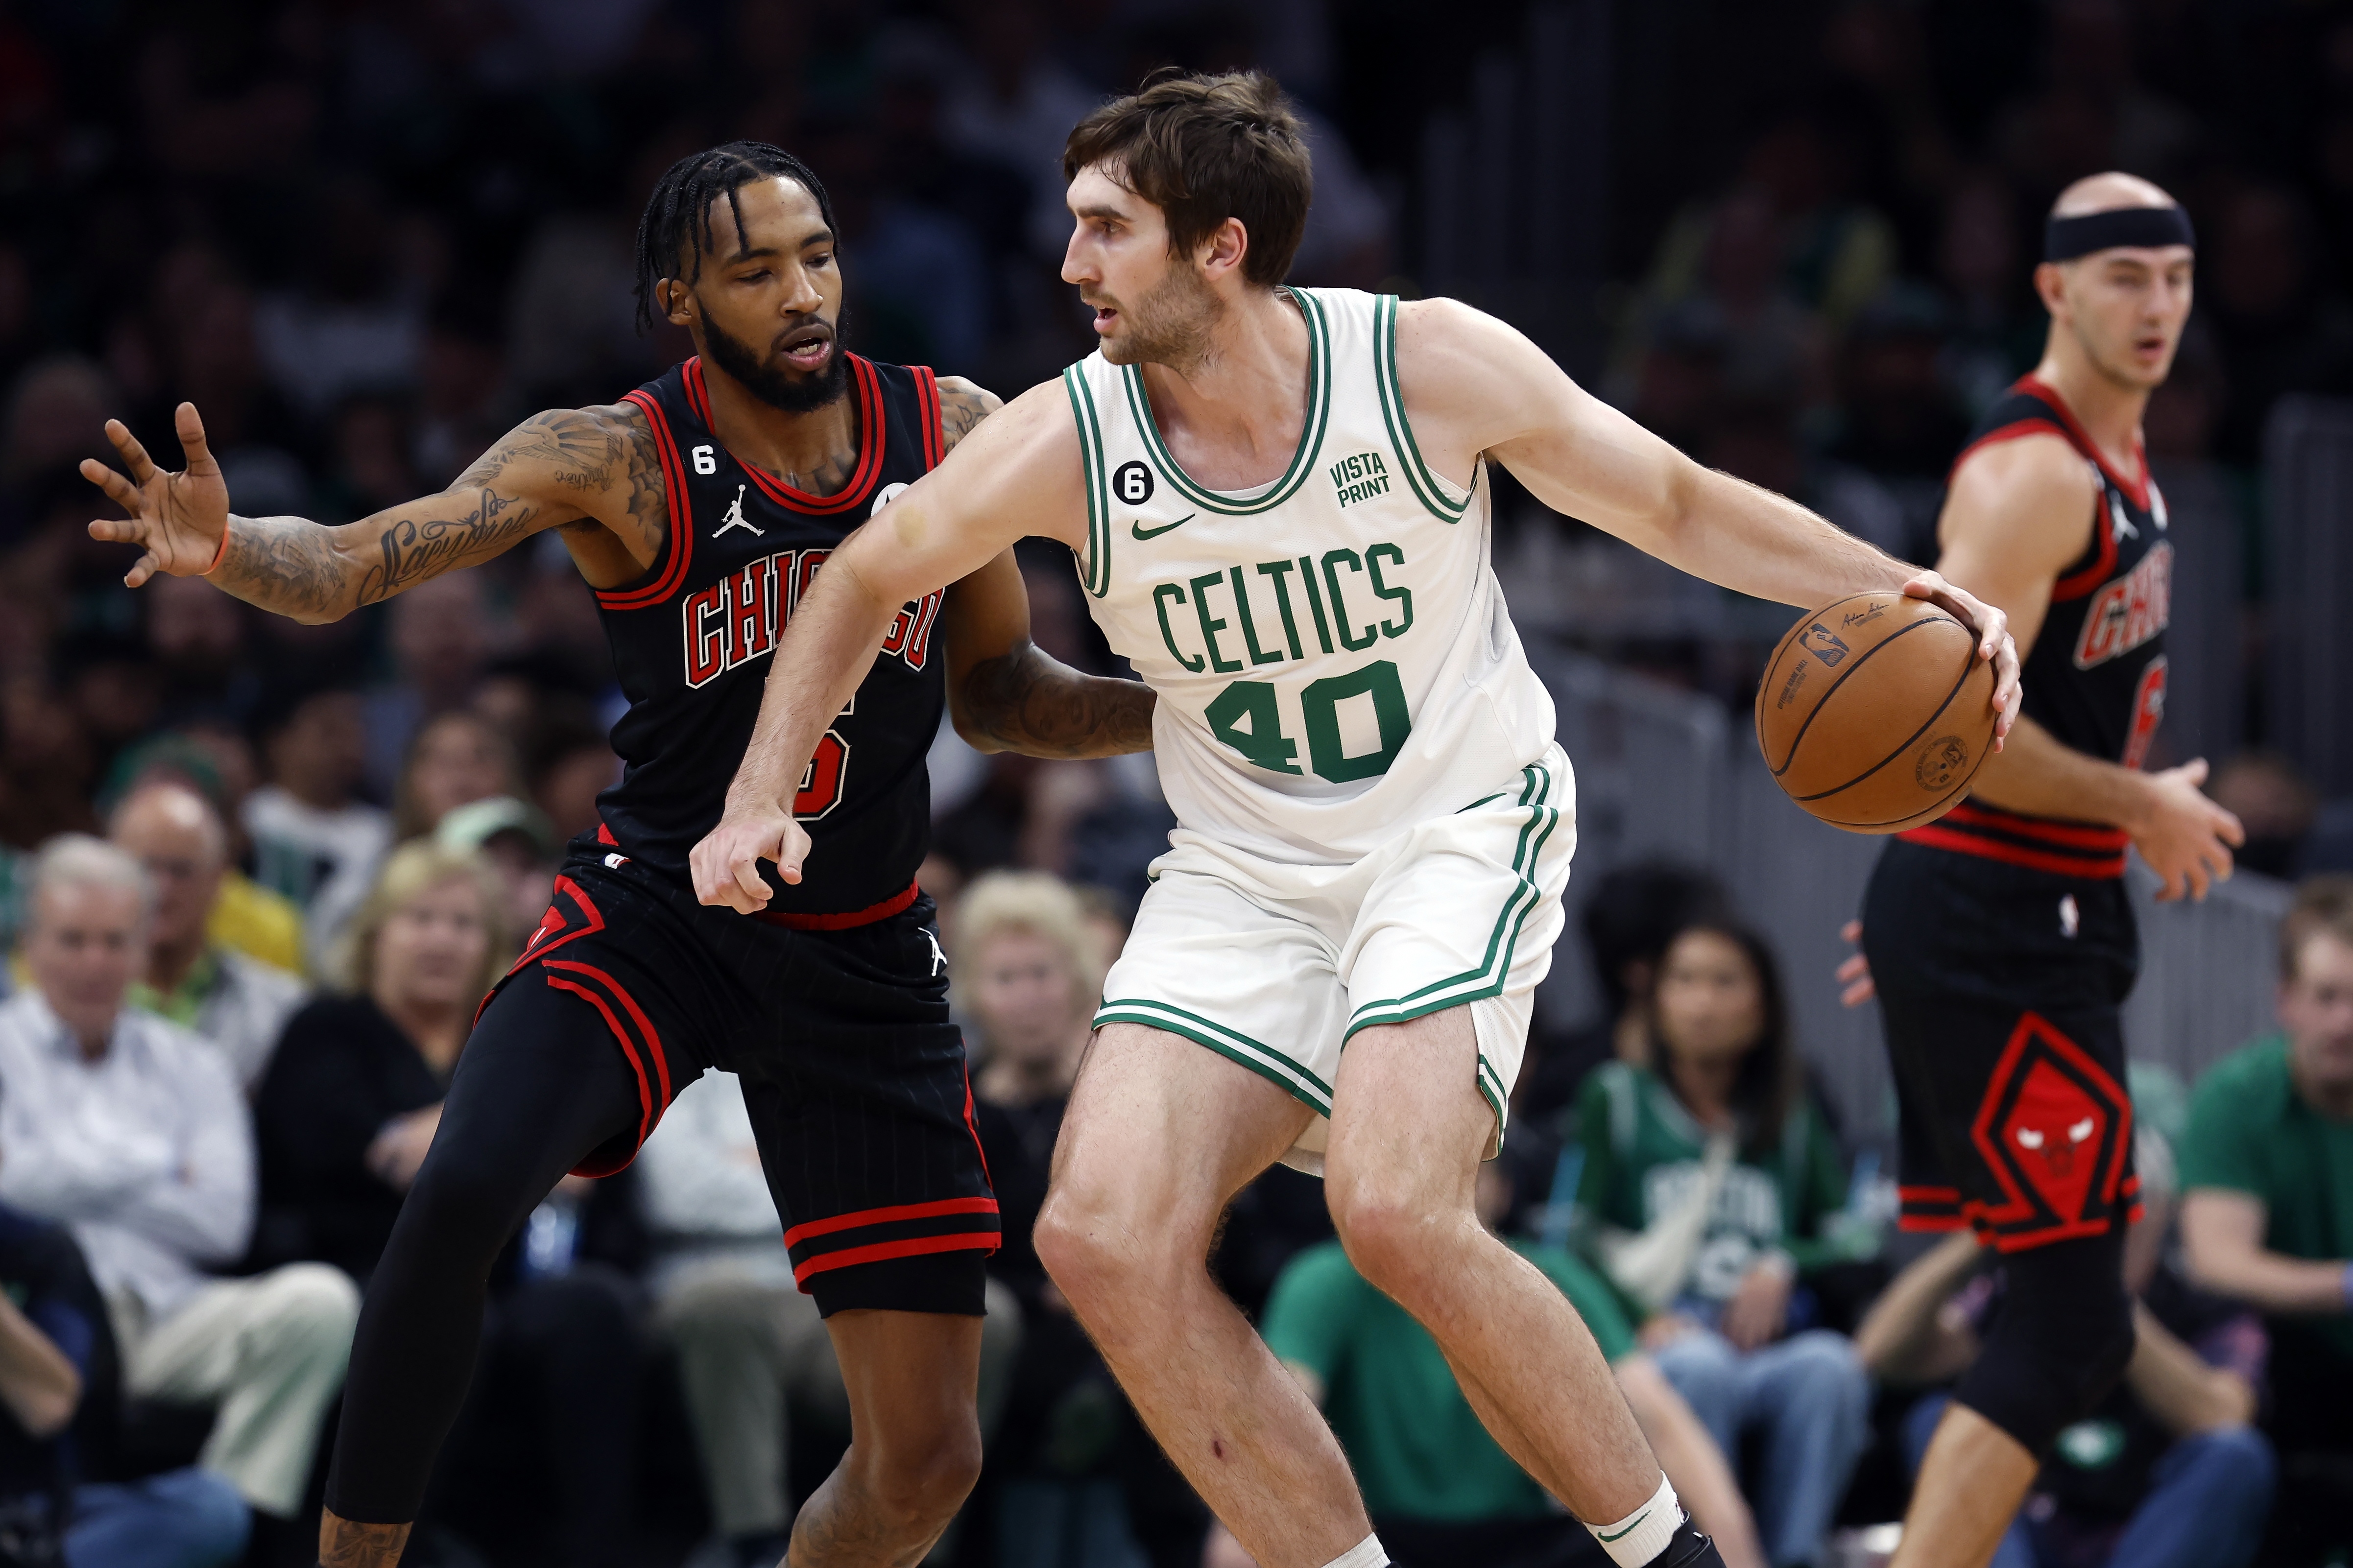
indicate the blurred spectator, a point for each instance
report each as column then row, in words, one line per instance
column 1440, row 1488
column 131, row 1131
column 571, row 764
column 1024, row 973
column 514, row 837
column 2274, row 802
column 455, row 759
column 368, row 466
column 1982, row 261
column 237, row 1003
column 463, row 393
column 198, row 635
column 753, row 1356
column 348, row 328
column 60, row 1381
column 1710, row 1187
column 217, row 763
column 1900, row 425
column 441, row 639
column 2268, row 1171
column 2167, row 1473
column 345, row 1116
column 314, row 840
column 1016, row 106
column 1633, row 913
column 918, row 279
column 2258, row 286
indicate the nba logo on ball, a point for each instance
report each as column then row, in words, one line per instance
column 1847, row 744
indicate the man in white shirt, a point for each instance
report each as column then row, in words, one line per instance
column 131, row 1132
column 235, row 1001
column 315, row 839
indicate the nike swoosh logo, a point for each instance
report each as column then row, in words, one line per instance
column 1141, row 531
column 1630, row 1530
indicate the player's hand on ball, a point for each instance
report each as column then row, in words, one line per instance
column 1994, row 642
column 2186, row 839
column 726, row 864
column 178, row 518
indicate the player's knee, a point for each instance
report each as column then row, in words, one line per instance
column 1395, row 1235
column 2063, row 1338
column 1111, row 1246
column 924, row 1477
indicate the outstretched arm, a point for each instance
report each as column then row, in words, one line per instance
column 1017, row 474
column 591, row 469
column 1475, row 386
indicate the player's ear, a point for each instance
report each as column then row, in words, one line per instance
column 677, row 301
column 2051, row 285
column 1221, row 254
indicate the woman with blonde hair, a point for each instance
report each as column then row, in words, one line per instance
column 352, row 1101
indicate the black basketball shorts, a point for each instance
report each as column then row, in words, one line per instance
column 2001, row 988
column 854, row 1076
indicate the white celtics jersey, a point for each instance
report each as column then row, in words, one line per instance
column 1332, row 653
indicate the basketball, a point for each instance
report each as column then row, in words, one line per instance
column 1875, row 712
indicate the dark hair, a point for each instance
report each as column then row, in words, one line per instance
column 2322, row 904
column 1771, row 1079
column 677, row 221
column 1636, row 911
column 1203, row 149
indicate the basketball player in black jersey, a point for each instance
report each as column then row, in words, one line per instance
column 2000, row 938
column 700, row 507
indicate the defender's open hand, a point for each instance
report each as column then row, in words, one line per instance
column 1994, row 642
column 179, row 519
column 726, row 864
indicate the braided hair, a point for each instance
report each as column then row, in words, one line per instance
column 677, row 221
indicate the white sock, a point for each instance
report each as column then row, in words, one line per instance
column 1366, row 1553
column 1642, row 1535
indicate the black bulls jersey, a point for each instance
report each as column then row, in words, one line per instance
column 2095, row 678
column 691, row 641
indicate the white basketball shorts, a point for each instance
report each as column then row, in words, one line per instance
column 1276, row 965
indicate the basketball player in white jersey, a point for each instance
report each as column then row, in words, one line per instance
column 1277, row 503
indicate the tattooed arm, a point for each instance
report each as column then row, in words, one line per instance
column 591, row 471
column 1005, row 694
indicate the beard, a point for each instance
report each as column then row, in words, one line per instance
column 788, row 390
column 1171, row 325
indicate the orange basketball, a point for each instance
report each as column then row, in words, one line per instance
column 1875, row 712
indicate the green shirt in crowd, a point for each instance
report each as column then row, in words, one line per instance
column 1643, row 1152
column 2251, row 1132
column 1419, row 1449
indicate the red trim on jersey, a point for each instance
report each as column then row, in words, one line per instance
column 927, row 399
column 604, row 835
column 681, row 515
column 553, row 923
column 2029, row 426
column 973, row 1126
column 2073, row 836
column 698, row 391
column 629, row 1049
column 2137, row 489
column 935, row 1209
column 637, row 1016
column 2089, row 870
column 883, row 1251
column 872, row 438
column 845, row 920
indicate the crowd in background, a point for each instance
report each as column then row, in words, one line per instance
column 255, row 876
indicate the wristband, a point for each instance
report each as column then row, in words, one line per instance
column 220, row 554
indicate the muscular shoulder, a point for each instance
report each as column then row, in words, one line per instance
column 1453, row 354
column 1015, row 471
column 963, row 404
column 2033, row 494
column 600, row 462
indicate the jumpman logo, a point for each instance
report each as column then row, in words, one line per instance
column 939, row 959
column 735, row 517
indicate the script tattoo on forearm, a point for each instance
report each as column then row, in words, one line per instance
column 413, row 548
column 1033, row 704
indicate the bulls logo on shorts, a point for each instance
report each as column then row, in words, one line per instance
column 571, row 915
column 2055, row 1131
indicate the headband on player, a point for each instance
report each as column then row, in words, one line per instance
column 2065, row 238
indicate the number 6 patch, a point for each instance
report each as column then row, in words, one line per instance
column 1132, row 482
